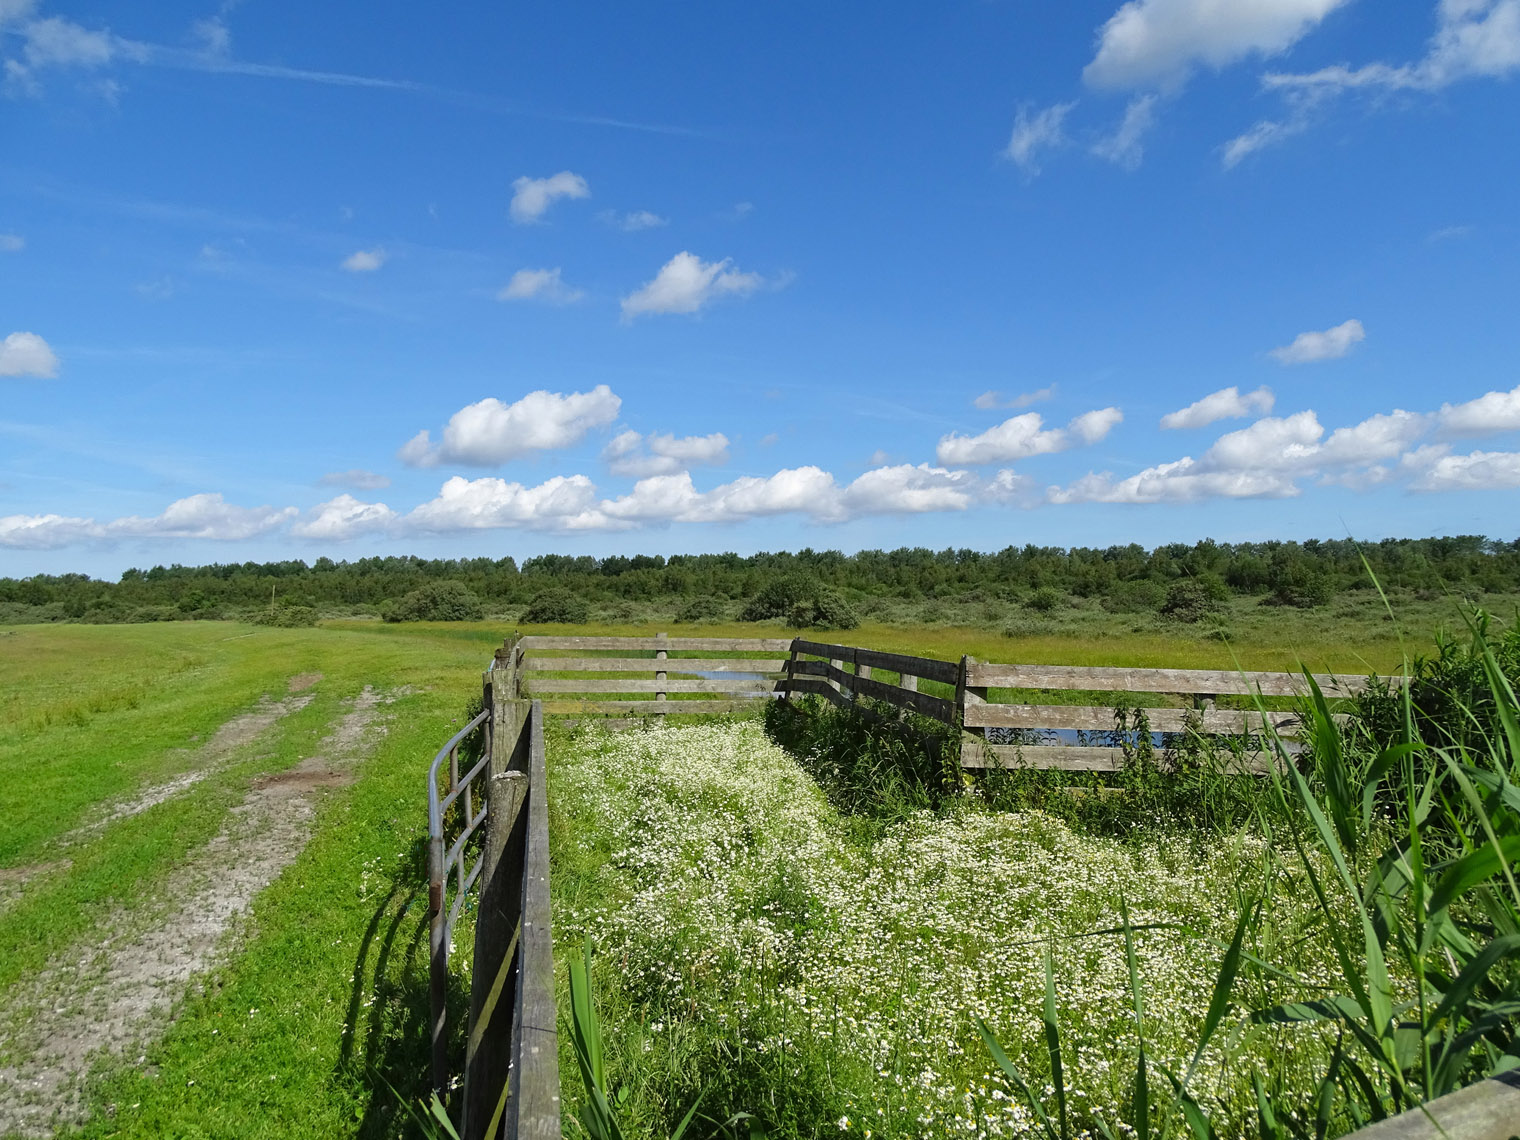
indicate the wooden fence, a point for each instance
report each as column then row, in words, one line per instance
column 511, row 1063
column 1010, row 715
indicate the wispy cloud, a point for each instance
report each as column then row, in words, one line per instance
column 992, row 399
column 1332, row 344
column 1035, row 132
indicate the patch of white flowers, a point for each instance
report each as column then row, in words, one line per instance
column 729, row 900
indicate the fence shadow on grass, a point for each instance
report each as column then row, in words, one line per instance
column 386, row 1044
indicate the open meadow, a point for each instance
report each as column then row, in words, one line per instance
column 213, row 894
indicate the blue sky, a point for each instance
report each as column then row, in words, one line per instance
column 671, row 278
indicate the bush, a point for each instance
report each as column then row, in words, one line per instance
column 1045, row 599
column 1142, row 596
column 703, row 609
column 1300, row 584
column 557, row 606
column 285, row 617
column 1189, row 600
column 799, row 601
column 437, row 601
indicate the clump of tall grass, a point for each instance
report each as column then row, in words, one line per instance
column 1407, row 830
column 870, row 759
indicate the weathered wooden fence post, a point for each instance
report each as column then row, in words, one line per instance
column 791, row 665
column 660, row 675
column 488, row 1051
column 964, row 695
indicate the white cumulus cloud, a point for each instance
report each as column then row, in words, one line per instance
column 1489, row 414
column 532, row 197
column 1023, row 436
column 27, row 354
column 1225, row 404
column 343, row 518
column 636, row 456
column 1152, row 43
column 565, row 502
column 203, row 516
column 908, row 489
column 539, row 284
column 45, row 532
column 686, row 284
column 1479, row 471
column 490, row 432
column 12, row 243
column 1332, row 344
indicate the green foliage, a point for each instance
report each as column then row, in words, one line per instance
column 1124, row 578
column 1448, row 694
column 703, row 609
column 1189, row 600
column 437, row 601
column 284, row 616
column 1141, row 596
column 1409, row 846
column 870, row 758
column 556, row 606
column 1045, row 599
column 800, row 601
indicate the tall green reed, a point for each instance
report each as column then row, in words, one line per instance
column 1408, row 838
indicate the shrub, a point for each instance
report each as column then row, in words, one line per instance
column 703, row 609
column 285, row 616
column 1189, row 600
column 799, row 601
column 437, row 601
column 1045, row 599
column 1298, row 583
column 558, row 606
column 1142, row 596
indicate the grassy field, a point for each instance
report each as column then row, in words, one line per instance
column 133, row 756
column 324, row 991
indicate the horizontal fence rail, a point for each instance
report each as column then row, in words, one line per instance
column 1009, row 715
column 714, row 681
column 1006, row 723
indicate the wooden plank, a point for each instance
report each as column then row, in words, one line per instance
column 657, row 708
column 819, row 688
column 939, row 708
column 803, row 668
column 1105, row 680
column 649, row 665
column 1070, row 758
column 533, row 1108
column 944, row 672
column 1097, row 719
column 581, row 685
column 1487, row 1110
column 716, row 644
column 823, row 649
column 926, row 667
column 936, row 707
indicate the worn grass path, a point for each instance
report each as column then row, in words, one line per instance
column 266, row 1000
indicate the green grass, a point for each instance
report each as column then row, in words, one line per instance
column 332, row 956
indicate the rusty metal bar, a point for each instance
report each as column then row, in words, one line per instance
column 440, row 921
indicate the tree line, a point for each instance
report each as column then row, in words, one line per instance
column 1289, row 573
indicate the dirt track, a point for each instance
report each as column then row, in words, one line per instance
column 117, row 991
